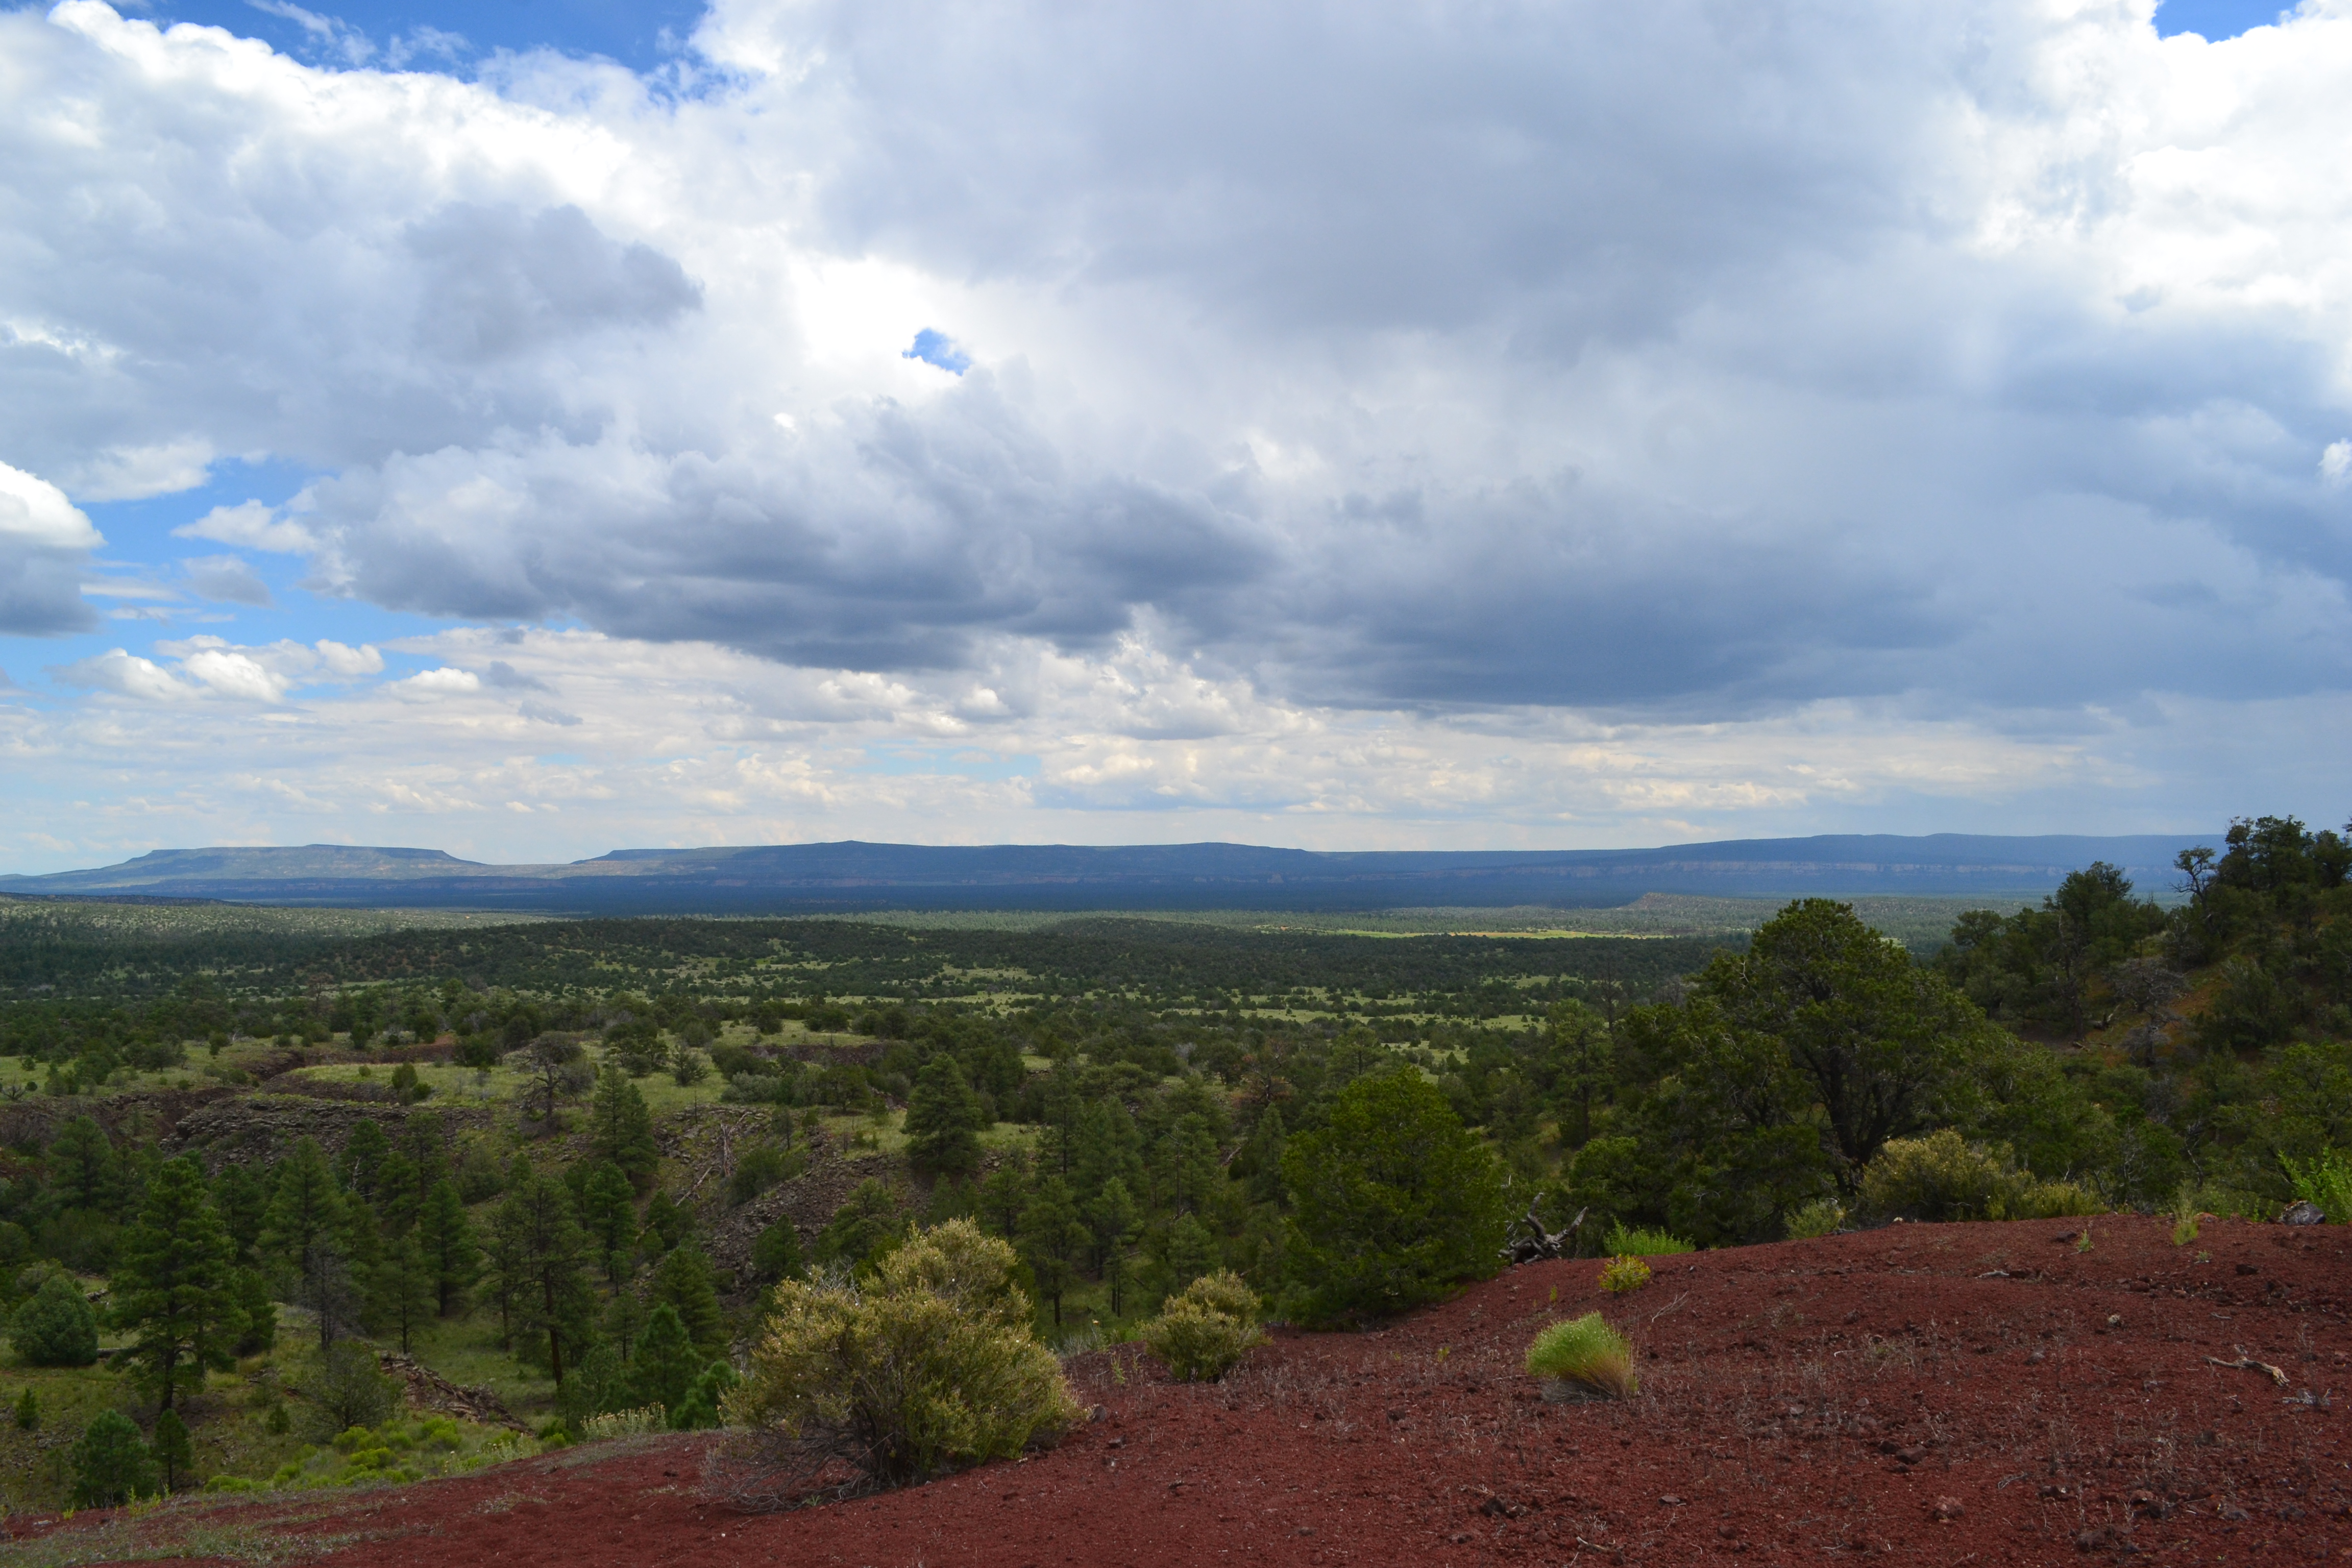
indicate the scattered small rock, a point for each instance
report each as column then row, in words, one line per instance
column 1946, row 1509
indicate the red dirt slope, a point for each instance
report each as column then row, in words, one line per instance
column 1941, row 1394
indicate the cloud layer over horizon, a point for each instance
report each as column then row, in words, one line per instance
column 1952, row 398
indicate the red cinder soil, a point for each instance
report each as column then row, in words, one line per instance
column 1942, row 1393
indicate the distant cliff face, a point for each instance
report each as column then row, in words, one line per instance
column 818, row 877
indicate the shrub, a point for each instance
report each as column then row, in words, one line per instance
column 625, row 1424
column 1823, row 1216
column 928, row 1364
column 1641, row 1242
column 347, row 1390
column 1395, row 1201
column 111, row 1464
column 1201, row 1334
column 57, row 1327
column 1624, row 1273
column 2325, row 1181
column 1585, row 1351
column 1943, row 1177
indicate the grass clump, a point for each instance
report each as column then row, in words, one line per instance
column 1638, row 1241
column 1201, row 1334
column 1585, row 1351
column 927, row 1365
column 1943, row 1177
column 1624, row 1273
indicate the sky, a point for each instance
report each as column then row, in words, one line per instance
column 538, row 429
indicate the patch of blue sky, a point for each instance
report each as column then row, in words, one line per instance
column 149, row 585
column 963, row 762
column 2215, row 20
column 935, row 348
column 443, row 34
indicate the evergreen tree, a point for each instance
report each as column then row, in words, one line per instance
column 1051, row 1234
column 359, row 1167
column 625, row 1319
column 861, row 1228
column 665, row 1365
column 702, row 1405
column 243, row 1199
column 445, row 1239
column 81, row 1164
column 621, row 1130
column 943, row 1121
column 1259, row 1164
column 111, row 1464
column 1112, row 1216
column 403, row 1287
column 665, row 1224
column 257, row 1311
column 171, row 1287
column 302, row 1234
column 396, row 1200
column 172, row 1450
column 1003, row 1196
column 776, row 1254
column 28, row 1410
column 608, row 1212
column 57, row 1327
column 683, row 1283
column 1192, row 1252
column 554, row 1310
column 423, row 1144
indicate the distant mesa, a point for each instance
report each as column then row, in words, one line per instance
column 785, row 879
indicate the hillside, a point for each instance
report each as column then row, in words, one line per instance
column 855, row 876
column 1982, row 1393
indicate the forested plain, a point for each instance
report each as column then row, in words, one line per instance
column 250, row 1152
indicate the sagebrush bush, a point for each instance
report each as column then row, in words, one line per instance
column 1823, row 1216
column 2324, row 1180
column 1624, row 1273
column 1585, row 1351
column 1201, row 1334
column 1943, row 1177
column 929, row 1364
column 1640, row 1242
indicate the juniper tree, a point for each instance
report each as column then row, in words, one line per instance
column 172, row 1290
column 111, row 1463
column 57, row 1327
column 172, row 1450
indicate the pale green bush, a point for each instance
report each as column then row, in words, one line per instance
column 1203, row 1333
column 1823, row 1216
column 1943, row 1177
column 930, row 1365
column 1641, row 1242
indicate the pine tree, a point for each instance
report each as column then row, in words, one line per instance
column 404, row 1289
column 608, row 1212
column 702, row 1406
column 1051, row 1234
column 1192, row 1252
column 28, row 1410
column 171, row 1287
column 683, row 1283
column 82, row 1164
column 552, row 1304
column 395, row 1200
column 301, row 1232
column 257, row 1311
column 943, row 1121
column 424, row 1144
column 1003, row 1196
column 446, row 1237
column 1112, row 1216
column 57, row 1327
column 360, row 1166
column 776, row 1254
column 111, row 1464
column 665, row 1365
column 171, row 1448
column 243, row 1199
column 665, row 1224
column 621, row 1130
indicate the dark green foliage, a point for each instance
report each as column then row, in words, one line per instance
column 664, row 1363
column 28, row 1410
column 541, row 1260
column 864, row 1226
column 361, row 1161
column 170, row 1449
column 608, row 1214
column 444, row 1238
column 943, row 1119
column 1395, row 1202
column 403, row 1292
column 111, row 1463
column 620, row 1128
column 243, row 1199
column 303, row 1238
column 1052, row 1236
column 57, row 1327
column 684, row 1282
column 82, row 1165
column 666, row 1224
column 760, row 1168
column 255, row 1312
column 702, row 1406
column 776, row 1253
column 171, row 1291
